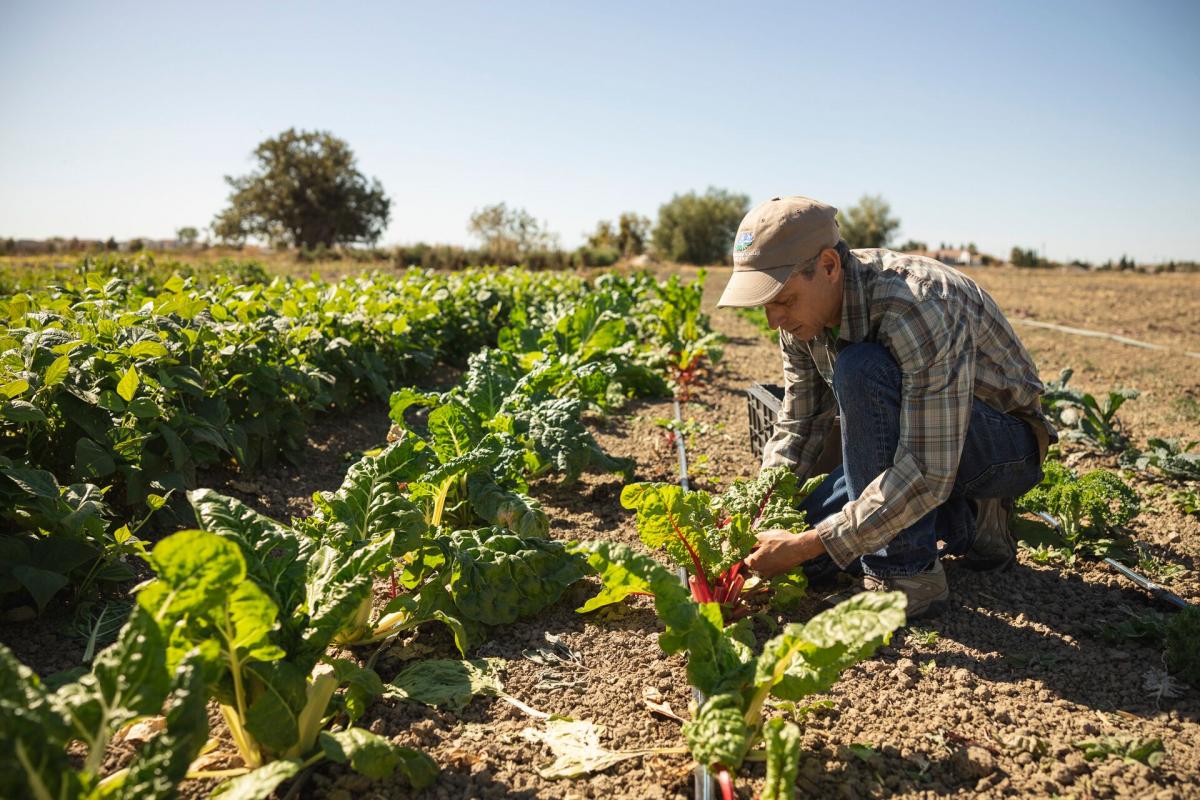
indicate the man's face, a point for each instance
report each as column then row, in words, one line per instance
column 806, row 305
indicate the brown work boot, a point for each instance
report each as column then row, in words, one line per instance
column 927, row 592
column 995, row 549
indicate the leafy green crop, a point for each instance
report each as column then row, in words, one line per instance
column 59, row 536
column 129, row 680
column 802, row 660
column 710, row 535
column 1090, row 509
column 1169, row 458
column 470, row 579
column 1085, row 419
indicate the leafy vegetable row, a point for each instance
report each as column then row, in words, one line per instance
column 244, row 610
column 113, row 393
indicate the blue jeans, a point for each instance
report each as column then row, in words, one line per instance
column 999, row 459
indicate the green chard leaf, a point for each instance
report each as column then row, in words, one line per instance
column 497, row 577
column 783, row 759
column 370, row 502
column 497, row 506
column 448, row 683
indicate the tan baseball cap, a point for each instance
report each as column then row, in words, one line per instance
column 773, row 238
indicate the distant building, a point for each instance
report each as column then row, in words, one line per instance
column 954, row 256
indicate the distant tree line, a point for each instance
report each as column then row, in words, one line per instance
column 306, row 192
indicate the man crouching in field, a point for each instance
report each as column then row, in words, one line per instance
column 940, row 418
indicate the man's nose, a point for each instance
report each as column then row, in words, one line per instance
column 772, row 317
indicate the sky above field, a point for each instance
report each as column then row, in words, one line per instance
column 1072, row 126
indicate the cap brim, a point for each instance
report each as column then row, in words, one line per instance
column 753, row 287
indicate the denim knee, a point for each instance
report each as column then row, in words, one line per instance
column 862, row 364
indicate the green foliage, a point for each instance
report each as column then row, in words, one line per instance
column 261, row 604
column 1026, row 258
column 61, row 536
column 1182, row 640
column 698, row 228
column 1168, row 458
column 1146, row 750
column 1082, row 418
column 510, row 234
column 802, row 660
column 627, row 238
column 710, row 534
column 868, row 224
column 783, row 759
column 1187, row 501
column 306, row 191
column 1091, row 510
column 129, row 681
column 1178, row 634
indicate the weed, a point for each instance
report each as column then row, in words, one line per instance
column 926, row 637
column 1147, row 750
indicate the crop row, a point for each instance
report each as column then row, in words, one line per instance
column 243, row 609
column 115, row 392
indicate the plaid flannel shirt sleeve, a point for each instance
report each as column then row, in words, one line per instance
column 932, row 343
column 805, row 414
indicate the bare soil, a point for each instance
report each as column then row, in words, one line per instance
column 987, row 700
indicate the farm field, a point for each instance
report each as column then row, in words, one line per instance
column 993, row 698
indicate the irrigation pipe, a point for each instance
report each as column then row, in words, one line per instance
column 1051, row 326
column 1150, row 586
column 702, row 781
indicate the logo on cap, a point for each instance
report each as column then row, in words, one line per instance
column 743, row 241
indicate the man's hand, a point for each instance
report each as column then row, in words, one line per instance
column 779, row 551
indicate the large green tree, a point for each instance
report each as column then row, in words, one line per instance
column 868, row 224
column 699, row 228
column 305, row 191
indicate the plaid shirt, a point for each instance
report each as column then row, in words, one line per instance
column 952, row 343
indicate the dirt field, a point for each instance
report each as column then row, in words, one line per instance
column 987, row 700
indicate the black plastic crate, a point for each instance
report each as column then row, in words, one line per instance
column 763, row 400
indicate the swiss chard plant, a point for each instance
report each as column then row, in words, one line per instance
column 261, row 605
column 589, row 350
column 1091, row 511
column 684, row 332
column 472, row 579
column 129, row 681
column 709, row 535
column 397, row 514
column 804, row 659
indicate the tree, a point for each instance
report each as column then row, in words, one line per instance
column 699, row 229
column 633, row 232
column 510, row 233
column 628, row 237
column 187, row 236
column 912, row 245
column 1025, row 258
column 868, row 224
column 604, row 236
column 305, row 191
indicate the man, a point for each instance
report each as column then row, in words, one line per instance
column 938, row 401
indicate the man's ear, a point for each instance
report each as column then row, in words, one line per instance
column 830, row 261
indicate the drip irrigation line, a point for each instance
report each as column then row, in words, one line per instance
column 1051, row 326
column 702, row 782
column 1141, row 580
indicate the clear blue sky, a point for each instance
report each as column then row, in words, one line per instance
column 1073, row 124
